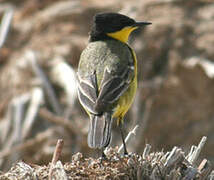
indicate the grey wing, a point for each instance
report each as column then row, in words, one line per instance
column 112, row 87
column 88, row 92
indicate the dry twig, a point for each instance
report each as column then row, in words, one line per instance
column 56, row 155
column 128, row 137
column 195, row 151
column 30, row 117
column 5, row 22
column 30, row 55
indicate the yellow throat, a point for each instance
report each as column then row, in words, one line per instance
column 123, row 34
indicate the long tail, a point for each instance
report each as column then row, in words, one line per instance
column 99, row 134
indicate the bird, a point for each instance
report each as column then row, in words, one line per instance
column 107, row 76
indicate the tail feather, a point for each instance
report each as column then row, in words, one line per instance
column 99, row 135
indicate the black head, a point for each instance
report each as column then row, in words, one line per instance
column 104, row 23
column 111, row 22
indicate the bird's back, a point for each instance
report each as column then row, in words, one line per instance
column 111, row 54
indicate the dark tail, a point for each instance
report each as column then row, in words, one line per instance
column 99, row 134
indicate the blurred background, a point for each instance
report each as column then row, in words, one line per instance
column 40, row 45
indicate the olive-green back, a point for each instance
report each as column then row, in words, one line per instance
column 111, row 54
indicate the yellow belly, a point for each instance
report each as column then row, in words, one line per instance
column 125, row 101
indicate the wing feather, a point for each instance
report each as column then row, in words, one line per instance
column 113, row 87
column 88, row 92
column 98, row 100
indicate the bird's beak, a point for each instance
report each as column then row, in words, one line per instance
column 140, row 24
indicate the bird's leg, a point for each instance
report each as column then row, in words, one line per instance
column 123, row 138
column 103, row 154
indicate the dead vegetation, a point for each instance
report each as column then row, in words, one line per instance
column 149, row 166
